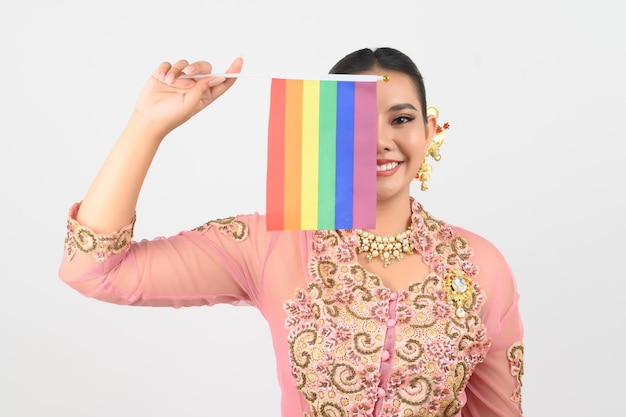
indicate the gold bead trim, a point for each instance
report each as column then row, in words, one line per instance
column 387, row 248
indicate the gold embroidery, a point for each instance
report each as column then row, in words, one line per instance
column 100, row 246
column 430, row 222
column 515, row 353
column 237, row 229
column 337, row 328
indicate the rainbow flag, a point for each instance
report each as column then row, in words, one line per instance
column 321, row 163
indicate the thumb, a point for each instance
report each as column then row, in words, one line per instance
column 222, row 86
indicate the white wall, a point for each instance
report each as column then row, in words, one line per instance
column 534, row 92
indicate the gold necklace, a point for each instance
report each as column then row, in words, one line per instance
column 388, row 248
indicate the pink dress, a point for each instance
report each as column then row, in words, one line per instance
column 345, row 345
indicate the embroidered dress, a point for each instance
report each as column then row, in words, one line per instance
column 346, row 345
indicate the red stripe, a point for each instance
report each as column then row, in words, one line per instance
column 276, row 157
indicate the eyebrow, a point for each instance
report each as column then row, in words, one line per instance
column 402, row 106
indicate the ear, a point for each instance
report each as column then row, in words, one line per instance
column 431, row 127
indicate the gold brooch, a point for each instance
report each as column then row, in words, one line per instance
column 460, row 291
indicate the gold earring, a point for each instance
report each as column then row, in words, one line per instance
column 423, row 174
column 425, row 170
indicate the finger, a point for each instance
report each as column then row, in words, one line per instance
column 207, row 91
column 220, row 88
column 175, row 71
column 161, row 70
column 199, row 67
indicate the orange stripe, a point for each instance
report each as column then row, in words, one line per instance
column 293, row 153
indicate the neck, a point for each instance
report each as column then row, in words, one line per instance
column 392, row 216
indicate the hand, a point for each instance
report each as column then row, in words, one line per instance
column 167, row 101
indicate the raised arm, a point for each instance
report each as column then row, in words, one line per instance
column 192, row 268
column 165, row 102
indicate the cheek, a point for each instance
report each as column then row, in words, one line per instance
column 416, row 147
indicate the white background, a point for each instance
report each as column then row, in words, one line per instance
column 535, row 95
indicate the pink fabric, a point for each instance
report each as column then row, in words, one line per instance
column 216, row 263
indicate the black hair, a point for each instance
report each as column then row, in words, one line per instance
column 384, row 58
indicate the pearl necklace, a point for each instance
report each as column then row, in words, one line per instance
column 388, row 248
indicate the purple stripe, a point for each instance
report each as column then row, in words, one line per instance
column 364, row 155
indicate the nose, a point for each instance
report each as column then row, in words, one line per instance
column 384, row 137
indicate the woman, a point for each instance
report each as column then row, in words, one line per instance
column 433, row 329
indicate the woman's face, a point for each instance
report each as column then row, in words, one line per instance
column 402, row 137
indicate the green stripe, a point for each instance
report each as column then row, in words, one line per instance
column 327, row 155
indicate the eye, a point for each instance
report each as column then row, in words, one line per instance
column 400, row 120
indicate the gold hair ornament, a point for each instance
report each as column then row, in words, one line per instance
column 425, row 170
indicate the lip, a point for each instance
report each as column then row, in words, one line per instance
column 390, row 171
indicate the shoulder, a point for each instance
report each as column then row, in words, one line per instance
column 468, row 245
column 473, row 250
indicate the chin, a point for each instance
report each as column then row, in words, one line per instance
column 384, row 193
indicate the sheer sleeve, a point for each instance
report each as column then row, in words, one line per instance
column 217, row 262
column 494, row 389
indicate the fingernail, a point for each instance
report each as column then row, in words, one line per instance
column 189, row 69
column 169, row 78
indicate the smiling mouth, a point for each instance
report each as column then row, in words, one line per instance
column 387, row 167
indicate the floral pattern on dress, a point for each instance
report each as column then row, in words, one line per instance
column 229, row 226
column 338, row 325
column 515, row 353
column 100, row 246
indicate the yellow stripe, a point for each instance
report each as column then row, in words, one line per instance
column 310, row 153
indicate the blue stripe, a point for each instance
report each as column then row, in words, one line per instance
column 344, row 188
